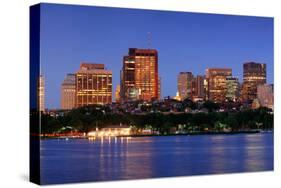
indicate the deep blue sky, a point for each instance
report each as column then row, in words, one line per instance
column 185, row 42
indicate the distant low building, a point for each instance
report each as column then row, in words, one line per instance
column 112, row 130
column 177, row 97
column 196, row 99
column 133, row 94
column 255, row 104
column 68, row 92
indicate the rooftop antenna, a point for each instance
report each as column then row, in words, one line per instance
column 149, row 39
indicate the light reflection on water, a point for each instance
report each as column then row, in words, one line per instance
column 147, row 157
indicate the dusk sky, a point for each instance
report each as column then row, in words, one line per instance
column 185, row 42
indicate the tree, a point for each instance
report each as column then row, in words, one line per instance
column 211, row 106
column 232, row 122
column 49, row 124
column 187, row 103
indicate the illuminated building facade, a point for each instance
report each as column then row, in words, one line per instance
column 206, row 89
column 111, row 131
column 190, row 86
column 185, row 85
column 255, row 104
column 41, row 94
column 159, row 87
column 199, row 91
column 177, row 97
column 232, row 88
column 117, row 93
column 139, row 75
column 216, row 80
column 68, row 92
column 254, row 74
column 265, row 95
column 93, row 85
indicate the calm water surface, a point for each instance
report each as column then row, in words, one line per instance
column 75, row 160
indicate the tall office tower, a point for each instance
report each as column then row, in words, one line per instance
column 41, row 93
column 254, row 74
column 206, row 89
column 159, row 87
column 117, row 93
column 232, row 88
column 199, row 86
column 139, row 75
column 68, row 92
column 265, row 95
column 216, row 78
column 185, row 85
column 93, row 85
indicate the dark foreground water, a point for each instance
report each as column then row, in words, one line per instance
column 78, row 160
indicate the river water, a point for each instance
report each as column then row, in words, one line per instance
column 80, row 160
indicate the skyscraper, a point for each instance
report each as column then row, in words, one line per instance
column 139, row 75
column 216, row 79
column 232, row 88
column 185, row 85
column 190, row 86
column 265, row 95
column 117, row 93
column 159, row 87
column 68, row 92
column 199, row 86
column 41, row 93
column 254, row 74
column 93, row 85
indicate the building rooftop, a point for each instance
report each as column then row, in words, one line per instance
column 136, row 51
column 93, row 68
column 90, row 66
column 94, row 71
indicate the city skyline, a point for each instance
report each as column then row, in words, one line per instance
column 195, row 53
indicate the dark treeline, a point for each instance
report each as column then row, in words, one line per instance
column 88, row 118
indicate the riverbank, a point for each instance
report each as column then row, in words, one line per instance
column 196, row 133
column 157, row 135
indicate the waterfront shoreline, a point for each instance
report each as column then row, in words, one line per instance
column 195, row 134
column 159, row 135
